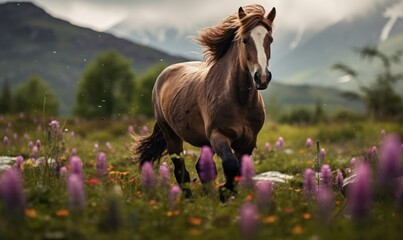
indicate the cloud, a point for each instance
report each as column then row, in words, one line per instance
column 185, row 15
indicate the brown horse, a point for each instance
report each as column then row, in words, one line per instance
column 215, row 102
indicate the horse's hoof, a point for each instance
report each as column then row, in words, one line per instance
column 226, row 194
column 187, row 193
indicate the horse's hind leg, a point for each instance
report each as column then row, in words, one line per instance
column 221, row 145
column 175, row 151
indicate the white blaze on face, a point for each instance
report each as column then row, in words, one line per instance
column 258, row 35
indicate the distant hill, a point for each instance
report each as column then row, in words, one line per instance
column 32, row 42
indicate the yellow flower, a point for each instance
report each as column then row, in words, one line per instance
column 297, row 230
column 31, row 213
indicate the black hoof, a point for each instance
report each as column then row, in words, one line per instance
column 226, row 193
column 187, row 193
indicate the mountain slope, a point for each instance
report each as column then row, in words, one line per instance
column 33, row 42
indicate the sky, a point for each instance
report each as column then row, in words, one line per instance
column 293, row 15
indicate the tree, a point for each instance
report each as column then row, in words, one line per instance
column 381, row 99
column 146, row 84
column 107, row 87
column 34, row 96
column 5, row 99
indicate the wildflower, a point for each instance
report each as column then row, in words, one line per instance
column 101, row 165
column 73, row 152
column 34, row 151
column 144, row 130
column 63, row 172
column 76, row 166
column 147, row 176
column 308, row 143
column 30, row 144
column 247, row 172
column 280, row 143
column 54, row 128
column 72, row 135
column 389, row 167
column 38, row 144
column 325, row 202
column 75, row 188
column 206, row 166
column 248, row 220
column 326, row 176
column 18, row 163
column 5, row 140
column 31, row 213
column 93, row 181
column 11, row 191
column 174, row 195
column 62, row 213
column 196, row 221
column 15, row 136
column 263, row 194
column 164, row 175
column 309, row 182
column 339, row 180
column 322, row 154
column 359, row 193
column 96, row 147
column 267, row 146
column 353, row 162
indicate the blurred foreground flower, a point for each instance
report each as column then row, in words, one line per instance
column 164, row 175
column 359, row 194
column 174, row 195
column 326, row 176
column 76, row 166
column 247, row 172
column 206, row 166
column 309, row 182
column 248, row 220
column 389, row 162
column 5, row 140
column 325, row 203
column 263, row 194
column 11, row 191
column 75, row 188
column 147, row 176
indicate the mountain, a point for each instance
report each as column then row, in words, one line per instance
column 33, row 42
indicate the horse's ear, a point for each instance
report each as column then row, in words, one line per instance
column 272, row 15
column 241, row 13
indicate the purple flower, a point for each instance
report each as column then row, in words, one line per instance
column 144, row 130
column 5, row 140
column 73, row 152
column 359, row 193
column 38, row 144
column 164, row 175
column 207, row 169
column 75, row 188
column 280, row 143
column 339, row 180
column 109, row 146
column 101, row 165
column 248, row 172
column 147, row 176
column 30, row 144
column 18, row 163
column 322, row 154
column 11, row 191
column 248, row 220
column 267, row 146
column 174, row 195
column 308, row 143
column 72, row 135
column 389, row 167
column 353, row 162
column 76, row 166
column 326, row 176
column 309, row 182
column 54, row 125
column 325, row 202
column 263, row 194
column 96, row 147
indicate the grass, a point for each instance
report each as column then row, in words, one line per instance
column 118, row 207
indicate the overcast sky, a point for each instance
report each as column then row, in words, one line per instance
column 293, row 15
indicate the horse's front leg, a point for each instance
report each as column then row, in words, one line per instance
column 221, row 145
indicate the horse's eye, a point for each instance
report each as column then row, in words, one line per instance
column 245, row 41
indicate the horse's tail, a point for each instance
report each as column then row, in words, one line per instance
column 150, row 148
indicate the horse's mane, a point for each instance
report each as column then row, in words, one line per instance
column 216, row 40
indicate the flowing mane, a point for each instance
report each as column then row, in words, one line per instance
column 216, row 40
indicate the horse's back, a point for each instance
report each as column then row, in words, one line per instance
column 176, row 97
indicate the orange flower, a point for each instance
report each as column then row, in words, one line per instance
column 249, row 197
column 270, row 219
column 288, row 210
column 153, row 202
column 237, row 178
column 297, row 230
column 195, row 221
column 132, row 180
column 306, row 216
column 31, row 213
column 62, row 213
column 173, row 213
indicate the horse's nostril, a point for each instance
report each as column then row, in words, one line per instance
column 268, row 76
column 256, row 77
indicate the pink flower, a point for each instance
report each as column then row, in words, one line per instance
column 322, row 154
column 389, row 162
column 18, row 163
column 34, row 151
column 267, row 146
column 326, row 176
column 76, row 166
column 325, row 202
column 247, row 172
column 164, row 175
column 248, row 220
column 174, row 195
column 339, row 180
column 5, row 140
column 11, row 191
column 359, row 194
column 308, row 143
column 101, row 165
column 147, row 176
column 63, row 172
column 75, row 187
column 309, row 182
column 206, row 166
column 263, row 194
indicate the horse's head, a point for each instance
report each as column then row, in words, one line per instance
column 255, row 38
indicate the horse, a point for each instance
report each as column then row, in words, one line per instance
column 214, row 102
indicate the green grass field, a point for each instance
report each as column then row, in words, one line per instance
column 118, row 207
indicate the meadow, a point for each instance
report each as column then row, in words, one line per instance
column 116, row 202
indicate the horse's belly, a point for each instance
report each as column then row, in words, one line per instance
column 190, row 130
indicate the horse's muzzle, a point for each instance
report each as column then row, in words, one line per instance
column 261, row 82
